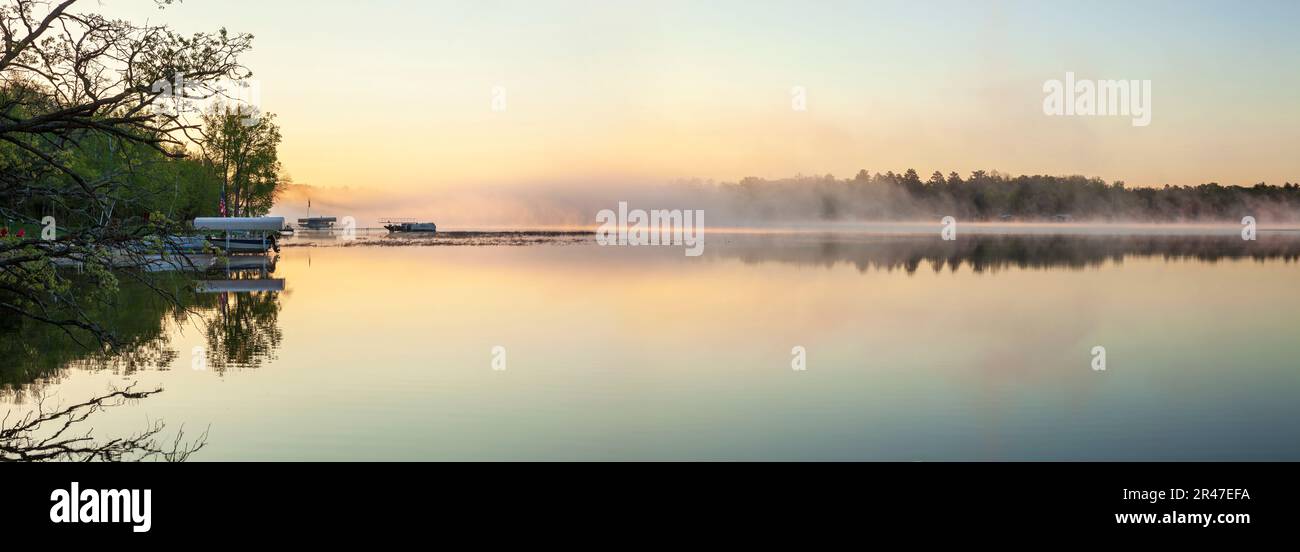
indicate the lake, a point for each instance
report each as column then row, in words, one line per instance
column 554, row 348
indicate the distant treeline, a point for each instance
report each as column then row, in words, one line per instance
column 992, row 196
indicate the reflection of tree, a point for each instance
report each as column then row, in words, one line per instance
column 136, row 313
column 57, row 435
column 991, row 253
column 242, row 329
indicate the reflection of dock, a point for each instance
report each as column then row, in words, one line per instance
column 176, row 262
column 239, row 270
column 262, row 264
column 255, row 270
column 210, row 263
column 241, row 286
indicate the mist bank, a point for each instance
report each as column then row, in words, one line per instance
column 987, row 197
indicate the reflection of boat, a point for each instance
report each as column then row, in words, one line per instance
column 243, row 235
column 241, row 286
column 259, row 263
column 408, row 225
column 198, row 262
column 185, row 262
column 244, row 274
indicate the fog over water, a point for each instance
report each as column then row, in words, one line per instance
column 805, row 202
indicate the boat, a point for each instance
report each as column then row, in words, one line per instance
column 317, row 223
column 409, row 226
column 189, row 245
column 242, row 234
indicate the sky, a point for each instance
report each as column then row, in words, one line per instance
column 396, row 97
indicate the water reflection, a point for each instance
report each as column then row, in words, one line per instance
column 243, row 329
column 992, row 253
column 236, row 304
column 643, row 353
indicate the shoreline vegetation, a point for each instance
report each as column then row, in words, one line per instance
column 112, row 133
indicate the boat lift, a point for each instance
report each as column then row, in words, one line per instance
column 254, row 231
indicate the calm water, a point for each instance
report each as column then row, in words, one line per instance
column 917, row 349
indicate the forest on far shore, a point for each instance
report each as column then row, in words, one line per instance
column 993, row 197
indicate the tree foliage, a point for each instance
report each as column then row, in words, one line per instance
column 241, row 147
column 93, row 133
